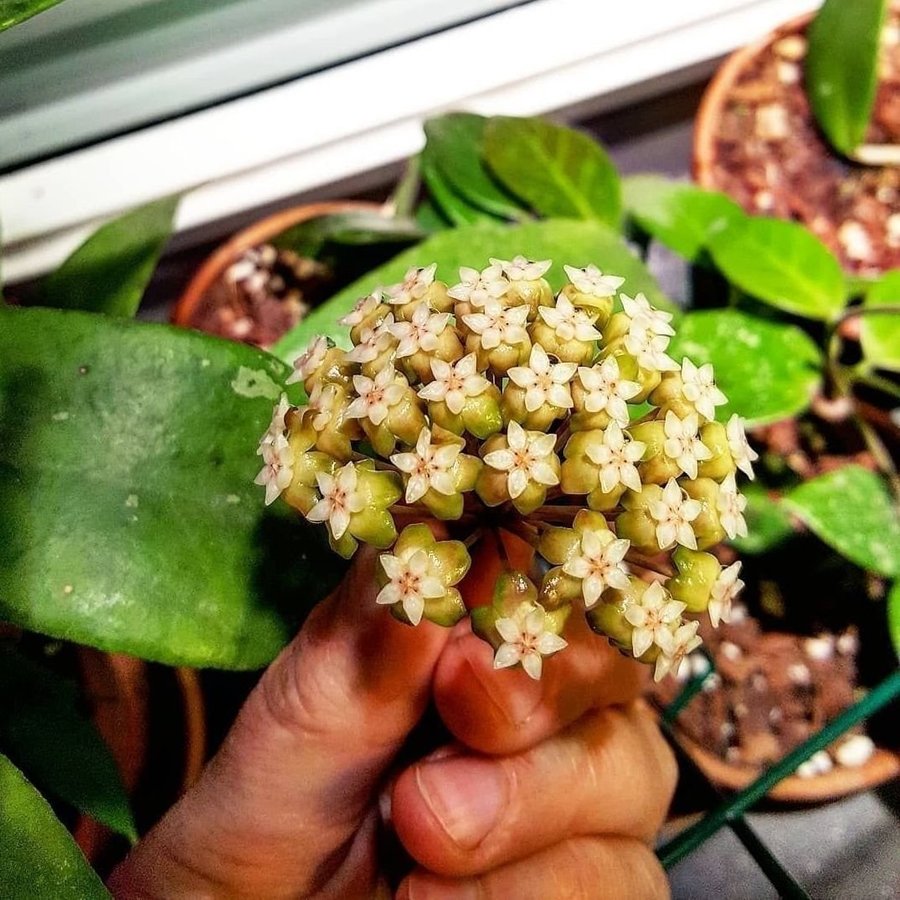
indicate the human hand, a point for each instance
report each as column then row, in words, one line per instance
column 551, row 789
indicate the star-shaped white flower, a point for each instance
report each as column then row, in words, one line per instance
column 731, row 504
column 373, row 342
column 606, row 391
column 324, row 402
column 568, row 322
column 543, row 381
column 649, row 349
column 412, row 582
column 741, row 452
column 376, row 395
column 341, row 498
column 683, row 444
column 277, row 426
column 278, row 470
column 592, row 281
column 454, row 383
column 421, row 333
column 527, row 458
column 522, row 269
column 364, row 308
column 616, row 458
column 675, row 645
column 699, row 388
column 310, row 360
column 599, row 564
column 428, row 466
column 652, row 616
column 645, row 316
column 413, row 287
column 478, row 288
column 497, row 325
column 673, row 515
column 724, row 591
column 526, row 640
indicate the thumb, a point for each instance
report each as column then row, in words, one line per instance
column 286, row 808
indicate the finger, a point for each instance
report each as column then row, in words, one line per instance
column 605, row 868
column 611, row 773
column 276, row 809
column 502, row 711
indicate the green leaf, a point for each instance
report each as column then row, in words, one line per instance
column 575, row 243
column 12, row 12
column 767, row 522
column 768, row 370
column 353, row 228
column 429, row 217
column 782, row 264
column 852, row 511
column 38, row 858
column 880, row 333
column 893, row 616
column 109, row 272
column 128, row 516
column 557, row 170
column 678, row 215
column 454, row 142
column 453, row 206
column 76, row 765
column 842, row 68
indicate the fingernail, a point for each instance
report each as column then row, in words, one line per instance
column 467, row 796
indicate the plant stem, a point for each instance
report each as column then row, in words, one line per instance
column 883, row 309
column 402, row 201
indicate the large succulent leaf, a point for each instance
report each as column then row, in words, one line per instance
column 557, row 170
column 851, row 510
column 128, row 516
column 38, row 858
column 109, row 272
column 782, row 264
column 678, row 215
column 565, row 241
column 76, row 765
column 893, row 616
column 768, row 370
column 842, row 68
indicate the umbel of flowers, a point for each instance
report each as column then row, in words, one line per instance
column 494, row 405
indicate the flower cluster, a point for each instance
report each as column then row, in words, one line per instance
column 497, row 406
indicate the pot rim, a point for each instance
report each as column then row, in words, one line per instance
column 256, row 233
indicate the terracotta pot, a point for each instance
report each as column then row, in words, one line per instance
column 118, row 691
column 882, row 254
column 189, row 304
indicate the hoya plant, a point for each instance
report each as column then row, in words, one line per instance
column 494, row 405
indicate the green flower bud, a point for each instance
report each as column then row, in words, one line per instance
column 559, row 589
column 721, row 465
column 697, row 573
column 635, row 523
column 599, row 307
column 608, row 616
column 706, row 526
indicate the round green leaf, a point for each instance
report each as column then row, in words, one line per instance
column 767, row 522
column 842, row 68
column 768, row 370
column 678, row 215
column 564, row 241
column 852, row 511
column 455, row 143
column 128, row 516
column 40, row 702
column 880, row 332
column 12, row 12
column 782, row 264
column 557, row 170
column 453, row 205
column 38, row 858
